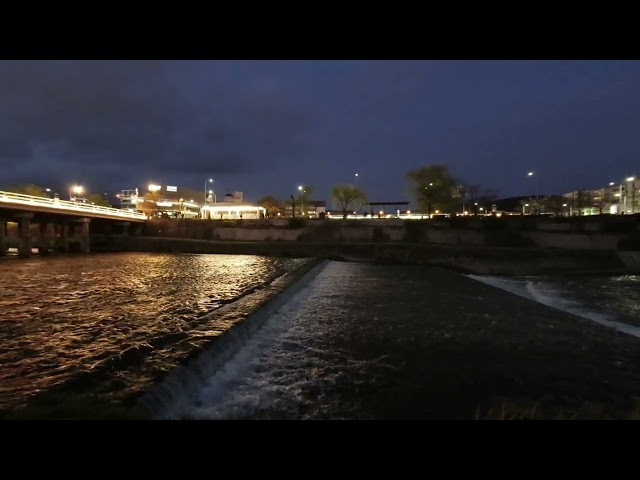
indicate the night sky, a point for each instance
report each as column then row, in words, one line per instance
column 265, row 127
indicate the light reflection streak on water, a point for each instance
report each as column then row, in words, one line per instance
column 62, row 315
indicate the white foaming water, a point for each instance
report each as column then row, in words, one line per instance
column 281, row 362
column 546, row 294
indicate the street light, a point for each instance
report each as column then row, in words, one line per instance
column 428, row 199
column 205, row 189
column 356, row 180
column 77, row 189
column 301, row 200
column 533, row 174
column 215, row 199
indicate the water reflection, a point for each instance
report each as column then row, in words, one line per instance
column 64, row 315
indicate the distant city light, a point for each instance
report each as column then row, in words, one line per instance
column 631, row 179
column 154, row 188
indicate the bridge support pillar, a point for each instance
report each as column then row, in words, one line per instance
column 24, row 232
column 44, row 240
column 3, row 234
column 84, row 234
column 125, row 227
column 64, row 236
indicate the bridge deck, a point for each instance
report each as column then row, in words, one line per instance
column 27, row 203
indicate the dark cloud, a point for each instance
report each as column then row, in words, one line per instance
column 107, row 121
column 265, row 127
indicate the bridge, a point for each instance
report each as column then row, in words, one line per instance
column 54, row 224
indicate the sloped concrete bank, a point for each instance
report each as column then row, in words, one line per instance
column 467, row 259
column 162, row 399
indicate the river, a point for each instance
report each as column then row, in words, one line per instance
column 64, row 315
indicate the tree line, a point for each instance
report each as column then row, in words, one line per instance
column 433, row 187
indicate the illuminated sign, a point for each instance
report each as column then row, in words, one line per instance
column 171, row 189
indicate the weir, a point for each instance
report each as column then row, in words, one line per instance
column 165, row 399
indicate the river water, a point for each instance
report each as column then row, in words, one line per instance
column 60, row 316
column 610, row 300
column 298, row 365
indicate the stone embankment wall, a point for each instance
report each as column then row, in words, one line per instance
column 571, row 234
column 526, row 246
column 468, row 259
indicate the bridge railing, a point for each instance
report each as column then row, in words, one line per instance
column 64, row 205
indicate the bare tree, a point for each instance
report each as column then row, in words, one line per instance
column 346, row 195
column 271, row 204
column 434, row 187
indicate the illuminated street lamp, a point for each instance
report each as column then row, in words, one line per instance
column 215, row 199
column 205, row 189
column 533, row 174
column 428, row 199
column 301, row 200
column 356, row 180
column 77, row 189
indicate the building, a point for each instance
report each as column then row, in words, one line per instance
column 162, row 202
column 623, row 198
column 312, row 208
column 128, row 199
column 231, row 211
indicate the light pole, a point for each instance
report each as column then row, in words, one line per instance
column 301, row 201
column 428, row 200
column 215, row 199
column 356, row 180
column 533, row 174
column 77, row 189
column 205, row 189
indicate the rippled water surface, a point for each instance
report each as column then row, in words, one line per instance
column 64, row 315
column 602, row 298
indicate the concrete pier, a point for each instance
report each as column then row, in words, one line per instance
column 84, row 234
column 45, row 238
column 3, row 235
column 24, row 233
column 64, row 237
